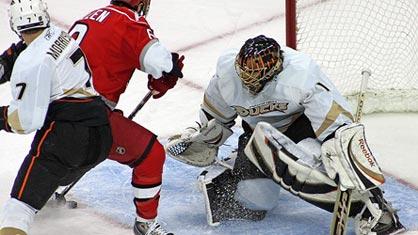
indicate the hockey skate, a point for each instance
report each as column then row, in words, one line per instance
column 149, row 228
column 383, row 220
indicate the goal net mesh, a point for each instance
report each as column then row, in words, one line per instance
column 347, row 37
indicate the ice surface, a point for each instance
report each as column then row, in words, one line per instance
column 201, row 30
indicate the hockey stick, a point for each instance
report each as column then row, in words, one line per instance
column 343, row 203
column 60, row 197
column 140, row 105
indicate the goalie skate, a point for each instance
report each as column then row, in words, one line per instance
column 380, row 218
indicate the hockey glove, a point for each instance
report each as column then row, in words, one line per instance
column 198, row 146
column 7, row 60
column 4, row 125
column 168, row 80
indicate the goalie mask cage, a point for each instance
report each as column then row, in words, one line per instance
column 347, row 37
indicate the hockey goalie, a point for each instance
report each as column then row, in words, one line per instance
column 298, row 136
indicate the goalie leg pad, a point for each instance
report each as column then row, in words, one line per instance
column 258, row 194
column 219, row 185
column 254, row 191
column 280, row 159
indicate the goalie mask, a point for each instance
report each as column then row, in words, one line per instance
column 27, row 15
column 140, row 6
column 259, row 61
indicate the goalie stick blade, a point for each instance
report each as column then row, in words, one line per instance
column 341, row 211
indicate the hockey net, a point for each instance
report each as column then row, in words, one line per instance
column 347, row 37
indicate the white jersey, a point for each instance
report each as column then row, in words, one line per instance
column 301, row 88
column 50, row 68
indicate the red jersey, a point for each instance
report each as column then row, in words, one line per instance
column 114, row 40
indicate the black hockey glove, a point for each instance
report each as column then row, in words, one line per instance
column 7, row 60
column 4, row 125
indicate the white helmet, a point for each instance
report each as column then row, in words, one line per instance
column 28, row 14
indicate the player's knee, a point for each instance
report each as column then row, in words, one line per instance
column 157, row 152
column 16, row 216
column 150, row 170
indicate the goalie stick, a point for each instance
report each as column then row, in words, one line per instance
column 60, row 197
column 343, row 202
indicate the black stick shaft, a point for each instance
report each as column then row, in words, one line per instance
column 140, row 105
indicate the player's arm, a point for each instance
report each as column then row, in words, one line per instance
column 345, row 153
column 31, row 89
column 168, row 79
column 324, row 106
column 163, row 66
column 7, row 60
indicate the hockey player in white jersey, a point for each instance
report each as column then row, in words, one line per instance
column 287, row 104
column 52, row 95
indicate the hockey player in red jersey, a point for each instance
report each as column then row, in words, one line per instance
column 117, row 40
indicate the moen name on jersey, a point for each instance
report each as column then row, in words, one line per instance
column 59, row 45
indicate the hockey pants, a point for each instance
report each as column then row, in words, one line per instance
column 61, row 152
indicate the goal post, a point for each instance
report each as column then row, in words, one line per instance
column 345, row 37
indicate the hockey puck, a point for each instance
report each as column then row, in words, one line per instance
column 71, row 204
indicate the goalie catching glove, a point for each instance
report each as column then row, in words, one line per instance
column 348, row 157
column 198, row 146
